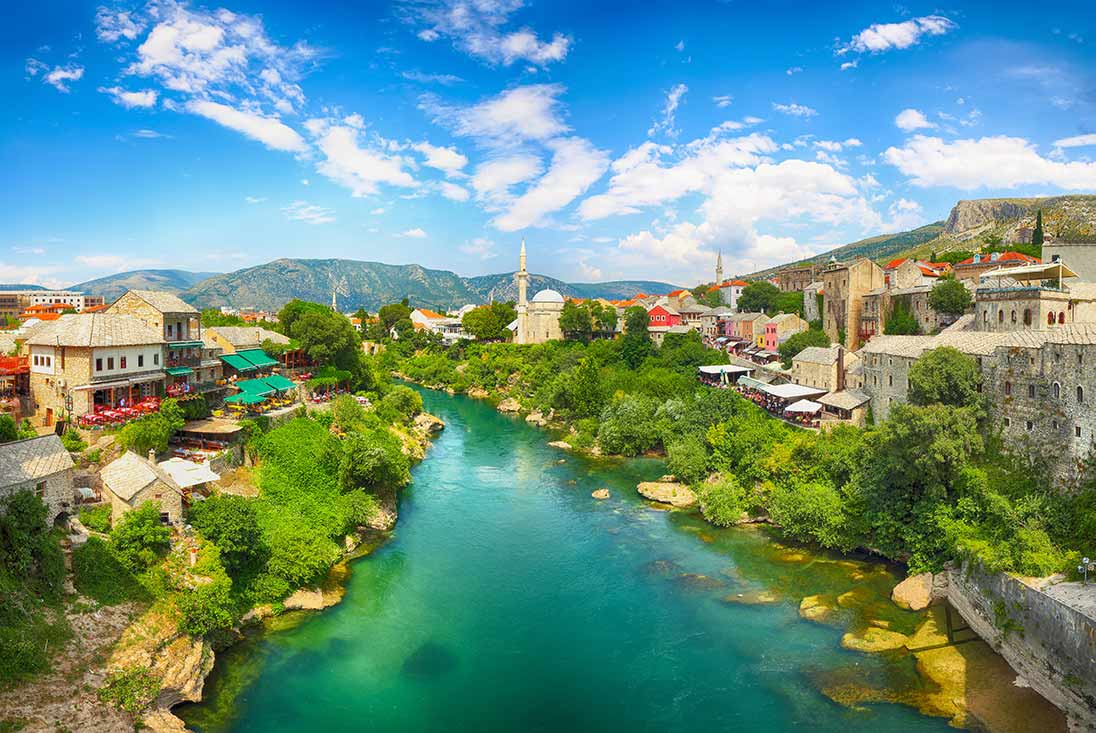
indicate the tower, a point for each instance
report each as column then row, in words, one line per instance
column 522, row 277
column 334, row 304
column 719, row 269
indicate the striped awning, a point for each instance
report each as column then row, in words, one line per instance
column 238, row 363
column 258, row 357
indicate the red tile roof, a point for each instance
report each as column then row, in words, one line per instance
column 1002, row 257
column 894, row 263
column 429, row 313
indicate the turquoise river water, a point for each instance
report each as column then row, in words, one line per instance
column 510, row 600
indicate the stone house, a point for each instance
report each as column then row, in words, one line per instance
column 658, row 333
column 711, row 322
column 82, row 361
column 1079, row 254
column 975, row 266
column 844, row 288
column 40, row 465
column 847, row 406
column 692, row 314
column 794, row 279
column 130, row 481
column 823, row 367
column 811, row 310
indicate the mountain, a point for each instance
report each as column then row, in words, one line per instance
column 370, row 285
column 21, row 286
column 112, row 286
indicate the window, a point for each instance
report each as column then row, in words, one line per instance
column 1008, row 387
column 170, row 329
column 1054, row 424
column 1027, row 316
column 985, row 316
column 122, row 363
column 110, row 362
column 1014, row 316
column 1077, row 430
column 140, row 360
column 1000, row 316
column 890, row 381
column 98, row 365
column 1031, row 390
column 40, row 489
column 1057, row 391
column 1062, row 318
column 156, row 359
column 1008, row 421
column 1029, row 425
column 1050, row 319
column 1080, row 395
column 36, row 360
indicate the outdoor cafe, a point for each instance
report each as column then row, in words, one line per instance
column 260, row 395
column 722, row 375
column 792, row 402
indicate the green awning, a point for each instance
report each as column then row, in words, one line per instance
column 280, row 383
column 258, row 357
column 246, row 398
column 238, row 363
column 179, row 371
column 255, row 386
column 185, row 344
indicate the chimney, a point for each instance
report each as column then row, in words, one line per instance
column 151, row 455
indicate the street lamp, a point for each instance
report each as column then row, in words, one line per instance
column 1083, row 569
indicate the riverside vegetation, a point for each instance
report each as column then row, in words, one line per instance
column 931, row 484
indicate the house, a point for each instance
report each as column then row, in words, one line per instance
column 711, row 321
column 847, row 406
column 844, row 288
column 794, row 279
column 781, row 327
column 663, row 316
column 973, row 267
column 83, row 361
column 812, row 309
column 906, row 273
column 692, row 313
column 244, row 344
column 450, row 328
column 14, row 302
column 426, row 317
column 823, row 367
column 741, row 326
column 130, row 481
column 729, row 292
column 40, row 465
column 658, row 333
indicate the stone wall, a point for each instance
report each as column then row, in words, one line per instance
column 1049, row 643
column 886, row 381
column 56, row 492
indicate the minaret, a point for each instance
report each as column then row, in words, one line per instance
column 719, row 268
column 522, row 278
column 334, row 304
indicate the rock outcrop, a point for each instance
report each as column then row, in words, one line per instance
column 509, row 405
column 668, row 492
column 601, row 494
column 561, row 444
column 977, row 213
column 918, row 592
column 313, row 599
column 428, row 423
column 536, row 417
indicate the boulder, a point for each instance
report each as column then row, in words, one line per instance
column 668, row 492
column 874, row 639
column 428, row 423
column 478, row 393
column 601, row 494
column 536, row 417
column 180, row 661
column 561, row 444
column 311, row 599
column 509, row 405
column 914, row 593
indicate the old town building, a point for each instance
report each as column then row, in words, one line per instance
column 794, row 279
column 538, row 319
column 845, row 287
column 41, row 466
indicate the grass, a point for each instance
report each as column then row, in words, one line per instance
column 99, row 575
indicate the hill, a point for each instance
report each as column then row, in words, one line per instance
column 21, row 286
column 112, row 286
column 370, row 285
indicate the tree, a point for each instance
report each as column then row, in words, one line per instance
column 372, row 462
column 945, row 376
column 392, row 313
column 950, row 296
column 759, row 297
column 489, row 322
column 636, row 344
column 604, row 317
column 327, row 337
column 587, row 392
column 401, row 404
column 687, row 459
column 294, row 310
column 722, row 502
column 575, row 321
column 901, row 321
column 140, row 538
column 798, row 342
column 1037, row 232
column 10, row 431
column 230, row 523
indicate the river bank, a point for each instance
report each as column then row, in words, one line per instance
column 507, row 561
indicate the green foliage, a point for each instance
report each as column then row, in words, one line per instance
column 100, row 575
column 628, row 426
column 97, row 518
column 945, row 376
column 400, row 405
column 327, row 337
column 153, row 432
column 950, row 296
column 759, row 297
column 790, row 302
column 901, row 321
column 1037, row 235
column 132, row 689
column 140, row 538
column 373, row 461
column 489, row 322
column 799, row 341
column 812, row 512
column 214, row 317
column 72, row 441
column 10, row 431
column 687, row 458
column 207, row 607
column 575, row 321
column 723, row 502
column 232, row 524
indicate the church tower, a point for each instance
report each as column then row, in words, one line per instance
column 719, row 268
column 522, row 277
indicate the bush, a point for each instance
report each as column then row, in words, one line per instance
column 373, row 462
column 100, row 575
column 628, row 427
column 722, row 502
column 151, row 432
column 140, row 538
column 72, row 441
column 132, row 689
column 97, row 518
column 811, row 512
column 207, row 607
column 401, row 404
column 232, row 524
column 688, row 459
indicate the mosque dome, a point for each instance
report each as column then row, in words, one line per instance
column 547, row 296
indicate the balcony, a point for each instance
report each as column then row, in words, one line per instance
column 184, row 360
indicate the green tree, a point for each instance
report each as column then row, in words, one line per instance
column 945, row 376
column 575, row 321
column 214, row 317
column 950, row 296
column 587, row 391
column 293, row 310
column 489, row 322
column 687, row 459
column 327, row 337
column 140, row 538
column 799, row 341
column 901, row 321
column 373, row 462
column 759, row 297
column 1037, row 232
column 231, row 523
column 723, row 502
column 392, row 314
column 400, row 405
column 636, row 345
column 604, row 317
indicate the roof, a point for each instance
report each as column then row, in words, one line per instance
column 781, row 317
column 95, row 329
column 547, row 296
column 32, row 459
column 817, row 355
column 129, row 474
column 188, row 473
column 258, row 357
column 747, row 316
column 782, row 391
column 804, row 406
column 429, row 313
column 669, row 309
column 894, row 263
column 674, row 293
column 163, row 301
column 724, row 369
column 988, row 258
column 1038, row 271
column 246, row 335
column 848, row 399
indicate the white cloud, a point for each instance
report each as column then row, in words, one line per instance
column 377, row 211
column 794, row 70
column 453, row 192
column 147, row 134
column 308, row 213
column 850, row 64
column 836, row 146
column 59, row 77
column 666, row 123
column 990, row 162
column 575, row 166
column 415, row 233
column 270, row 131
column 494, row 178
column 904, row 214
column 516, row 115
column 476, row 28
column 447, row 160
column 112, row 26
column 912, row 119
column 1076, row 142
column 115, row 262
column 254, row 199
column 480, row 247
column 28, row 250
column 359, row 168
column 881, row 37
column 423, row 78
column 795, row 110
column 723, row 100
column 129, row 100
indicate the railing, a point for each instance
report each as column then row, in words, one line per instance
column 185, row 361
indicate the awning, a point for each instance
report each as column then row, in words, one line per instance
column 179, row 371
column 724, row 369
column 804, row 406
column 280, row 383
column 258, row 357
column 188, row 473
column 238, row 363
column 186, row 344
column 1027, row 273
column 255, row 387
column 246, row 398
column 152, row 377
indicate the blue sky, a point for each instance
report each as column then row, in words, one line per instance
column 622, row 140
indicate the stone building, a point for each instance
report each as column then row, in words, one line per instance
column 823, row 367
column 81, row 361
column 711, row 322
column 1033, row 297
column 976, row 265
column 780, row 328
column 811, row 309
column 1079, row 254
column 538, row 319
column 42, row 466
column 794, row 279
column 844, row 288
column 130, row 481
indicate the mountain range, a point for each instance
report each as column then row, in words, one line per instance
column 370, row 285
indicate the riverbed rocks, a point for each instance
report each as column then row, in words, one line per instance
column 601, row 494
column 313, row 599
column 538, row 418
column 918, row 592
column 477, row 393
column 751, row 598
column 874, row 639
column 508, row 405
column 428, row 423
column 561, row 444
column 818, row 608
column 668, row 492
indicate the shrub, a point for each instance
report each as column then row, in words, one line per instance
column 100, row 575
column 628, row 427
column 232, row 524
column 373, row 461
column 688, row 459
column 400, row 404
column 207, row 607
column 811, row 512
column 72, row 441
column 96, row 518
column 722, row 502
column 132, row 689
column 140, row 538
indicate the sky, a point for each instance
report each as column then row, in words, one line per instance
column 619, row 139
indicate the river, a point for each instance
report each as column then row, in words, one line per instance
column 508, row 599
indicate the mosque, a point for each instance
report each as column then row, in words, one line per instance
column 538, row 319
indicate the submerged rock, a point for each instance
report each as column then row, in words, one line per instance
column 561, row 444
column 752, row 597
column 601, row 494
column 536, row 417
column 699, row 581
column 313, row 599
column 664, row 568
column 873, row 639
column 668, row 492
column 478, row 393
column 817, row 608
column 428, row 423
